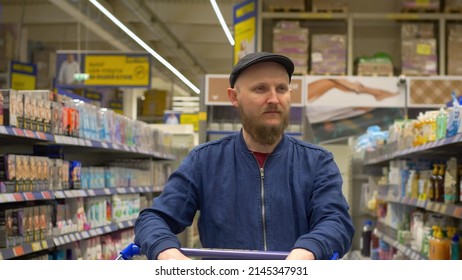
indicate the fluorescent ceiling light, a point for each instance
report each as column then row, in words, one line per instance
column 144, row 45
column 222, row 22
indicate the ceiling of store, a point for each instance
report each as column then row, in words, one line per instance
column 186, row 33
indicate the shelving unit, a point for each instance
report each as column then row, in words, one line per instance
column 21, row 140
column 437, row 150
column 358, row 25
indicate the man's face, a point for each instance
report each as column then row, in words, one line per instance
column 263, row 99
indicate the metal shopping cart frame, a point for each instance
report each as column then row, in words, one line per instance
column 133, row 250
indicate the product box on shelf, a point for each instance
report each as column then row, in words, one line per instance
column 286, row 6
column 11, row 227
column 454, row 47
column 329, row 6
column 419, row 57
column 8, row 173
column 9, row 107
column 453, row 6
column 328, row 54
column 419, row 5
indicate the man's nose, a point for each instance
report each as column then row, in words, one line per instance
column 273, row 97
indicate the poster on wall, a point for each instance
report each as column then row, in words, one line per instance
column 245, row 26
column 23, row 76
column 105, row 69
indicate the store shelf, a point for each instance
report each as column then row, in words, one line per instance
column 227, row 132
column 437, row 207
column 53, row 242
column 27, row 248
column 87, row 144
column 412, row 254
column 445, row 147
column 50, row 195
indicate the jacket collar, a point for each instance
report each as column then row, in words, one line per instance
column 281, row 146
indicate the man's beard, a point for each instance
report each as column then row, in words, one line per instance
column 263, row 134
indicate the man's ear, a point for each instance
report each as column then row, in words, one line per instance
column 232, row 96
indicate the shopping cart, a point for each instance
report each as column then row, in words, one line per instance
column 133, row 250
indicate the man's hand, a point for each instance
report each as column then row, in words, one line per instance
column 172, row 254
column 300, row 254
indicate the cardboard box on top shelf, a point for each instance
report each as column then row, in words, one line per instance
column 421, row 6
column 419, row 57
column 453, row 6
column 454, row 47
column 320, row 6
column 155, row 103
column 328, row 54
column 291, row 40
column 284, row 6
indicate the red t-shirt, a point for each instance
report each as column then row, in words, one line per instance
column 260, row 158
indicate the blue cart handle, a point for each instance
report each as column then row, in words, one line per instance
column 132, row 250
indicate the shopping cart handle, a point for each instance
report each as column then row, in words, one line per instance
column 129, row 251
column 234, row 254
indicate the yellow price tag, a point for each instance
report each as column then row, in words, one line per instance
column 44, row 244
column 424, row 49
column 36, row 247
column 422, row 3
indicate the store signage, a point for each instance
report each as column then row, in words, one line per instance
column 353, row 91
column 102, row 70
column 23, row 76
column 245, row 26
column 216, row 87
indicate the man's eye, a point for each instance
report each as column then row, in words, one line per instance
column 260, row 89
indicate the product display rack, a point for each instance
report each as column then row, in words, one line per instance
column 25, row 135
column 381, row 233
column 22, row 140
column 351, row 22
column 436, row 150
column 54, row 242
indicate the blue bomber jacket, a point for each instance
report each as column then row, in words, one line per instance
column 294, row 201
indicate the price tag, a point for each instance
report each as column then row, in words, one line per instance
column 107, row 229
column 99, row 231
column 424, row 49
column 67, row 239
column 61, row 240
column 85, row 234
column 422, row 3
column 72, row 237
column 36, row 247
column 3, row 130
column 44, row 244
column 92, row 232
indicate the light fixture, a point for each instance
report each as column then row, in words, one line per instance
column 222, row 22
column 145, row 46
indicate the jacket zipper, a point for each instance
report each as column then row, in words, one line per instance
column 263, row 210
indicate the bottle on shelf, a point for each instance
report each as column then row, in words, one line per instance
column 366, row 239
column 439, row 195
column 439, row 245
column 432, row 187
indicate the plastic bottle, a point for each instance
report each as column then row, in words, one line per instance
column 441, row 124
column 432, row 188
column 439, row 195
column 455, row 253
column 439, row 246
column 366, row 238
